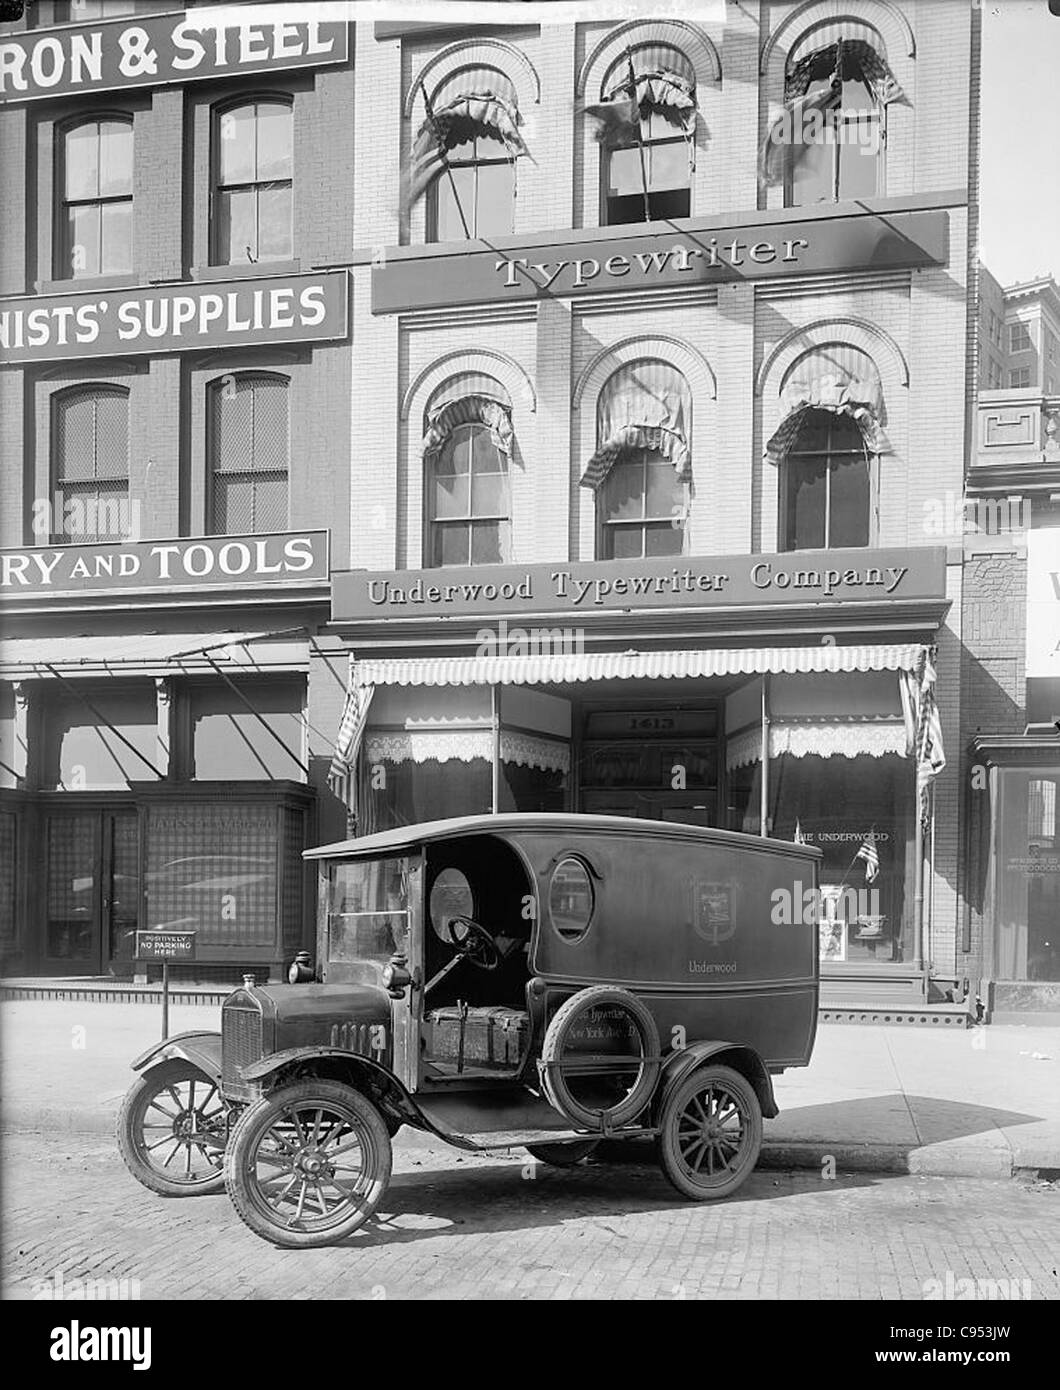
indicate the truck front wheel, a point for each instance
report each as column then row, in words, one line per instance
column 308, row 1164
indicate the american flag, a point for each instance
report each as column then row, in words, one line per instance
column 351, row 729
column 871, row 856
column 924, row 729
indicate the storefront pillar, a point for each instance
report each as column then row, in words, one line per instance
column 19, row 750
column 163, row 724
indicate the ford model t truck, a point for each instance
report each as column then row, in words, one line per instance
column 535, row 980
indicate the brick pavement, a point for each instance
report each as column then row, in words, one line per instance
column 456, row 1227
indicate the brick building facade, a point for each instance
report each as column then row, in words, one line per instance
column 691, row 418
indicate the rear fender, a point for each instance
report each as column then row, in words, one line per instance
column 202, row 1050
column 336, row 1064
column 741, row 1058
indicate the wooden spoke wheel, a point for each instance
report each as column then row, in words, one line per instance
column 710, row 1133
column 172, row 1130
column 308, row 1164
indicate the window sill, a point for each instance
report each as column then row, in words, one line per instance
column 246, row 271
column 86, row 284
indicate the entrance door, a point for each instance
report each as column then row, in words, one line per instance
column 93, row 891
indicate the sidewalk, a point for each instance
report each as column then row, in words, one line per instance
column 978, row 1103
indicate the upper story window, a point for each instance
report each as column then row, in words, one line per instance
column 646, row 125
column 95, row 213
column 81, row 11
column 827, row 485
column 464, row 156
column 828, row 144
column 467, row 449
column 1019, row 378
column 251, row 217
column 1019, row 338
column 248, row 451
column 90, row 463
column 830, row 433
column 641, row 469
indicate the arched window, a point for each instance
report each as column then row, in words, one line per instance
column 95, row 176
column 641, row 469
column 826, row 446
column 827, row 485
column 473, row 128
column 651, row 94
column 248, row 453
column 251, row 217
column 90, row 464
column 467, row 450
column 829, row 143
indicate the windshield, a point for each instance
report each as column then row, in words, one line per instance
column 367, row 917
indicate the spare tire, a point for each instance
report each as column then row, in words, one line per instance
column 623, row 1051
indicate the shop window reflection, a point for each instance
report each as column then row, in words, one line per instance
column 1028, row 878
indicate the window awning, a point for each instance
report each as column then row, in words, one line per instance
column 644, row 405
column 465, row 745
column 631, row 665
column 152, row 654
column 466, row 410
column 479, row 111
column 911, row 659
column 843, row 59
column 820, row 739
column 840, row 379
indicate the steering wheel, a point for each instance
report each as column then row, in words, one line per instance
column 476, row 945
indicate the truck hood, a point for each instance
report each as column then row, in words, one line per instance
column 306, row 1014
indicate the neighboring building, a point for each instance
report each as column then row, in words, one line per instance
column 1019, row 335
column 663, row 519
column 1011, row 681
column 177, row 355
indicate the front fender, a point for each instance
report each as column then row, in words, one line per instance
column 741, row 1058
column 202, row 1050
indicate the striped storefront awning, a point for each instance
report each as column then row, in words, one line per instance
column 632, row 665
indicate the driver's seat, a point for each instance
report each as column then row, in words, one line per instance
column 478, row 1037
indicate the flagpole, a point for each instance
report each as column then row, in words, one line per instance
column 640, row 138
column 445, row 160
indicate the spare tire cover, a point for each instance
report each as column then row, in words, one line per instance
column 600, row 1031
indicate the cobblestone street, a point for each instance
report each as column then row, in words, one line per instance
column 456, row 1227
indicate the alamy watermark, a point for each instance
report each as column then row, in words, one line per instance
column 954, row 515
column 799, row 906
column 86, row 518
column 533, row 641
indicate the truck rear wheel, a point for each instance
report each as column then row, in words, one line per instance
column 308, row 1164
column 710, row 1133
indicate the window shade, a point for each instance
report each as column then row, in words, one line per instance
column 646, row 405
column 469, row 398
column 474, row 103
column 838, row 378
column 91, row 435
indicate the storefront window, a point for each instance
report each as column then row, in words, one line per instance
column 407, row 793
column 101, row 738
column 255, row 738
column 214, row 869
column 1028, row 876
column 860, row 812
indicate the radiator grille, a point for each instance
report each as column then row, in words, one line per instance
column 240, row 1042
